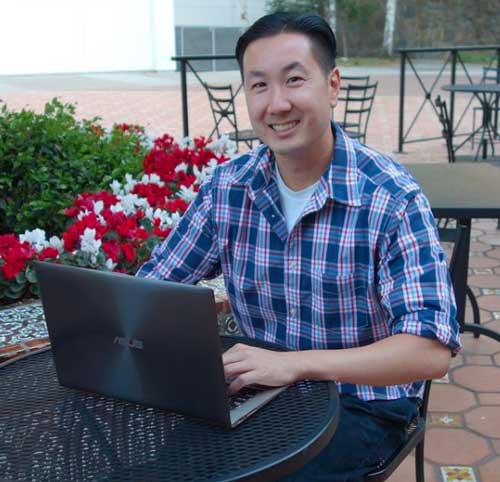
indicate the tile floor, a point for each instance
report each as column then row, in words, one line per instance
column 463, row 438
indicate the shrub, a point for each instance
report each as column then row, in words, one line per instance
column 116, row 229
column 47, row 159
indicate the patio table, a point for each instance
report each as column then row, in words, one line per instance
column 53, row 433
column 487, row 95
column 462, row 191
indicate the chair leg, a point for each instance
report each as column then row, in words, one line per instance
column 419, row 461
column 476, row 316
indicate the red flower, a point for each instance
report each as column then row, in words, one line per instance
column 85, row 201
column 48, row 253
column 152, row 192
column 72, row 235
column 128, row 251
column 7, row 241
column 15, row 258
column 112, row 249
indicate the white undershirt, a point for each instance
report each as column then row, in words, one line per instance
column 293, row 202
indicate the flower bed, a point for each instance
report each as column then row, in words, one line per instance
column 118, row 228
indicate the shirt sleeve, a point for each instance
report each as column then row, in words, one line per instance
column 414, row 281
column 190, row 252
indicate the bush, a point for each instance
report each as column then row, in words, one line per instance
column 116, row 229
column 47, row 159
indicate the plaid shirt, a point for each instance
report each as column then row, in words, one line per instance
column 363, row 262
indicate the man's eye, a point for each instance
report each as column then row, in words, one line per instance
column 258, row 85
column 294, row 80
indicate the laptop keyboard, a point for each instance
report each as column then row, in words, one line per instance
column 243, row 395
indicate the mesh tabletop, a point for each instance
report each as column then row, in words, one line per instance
column 52, row 433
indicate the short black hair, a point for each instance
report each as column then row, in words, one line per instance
column 324, row 45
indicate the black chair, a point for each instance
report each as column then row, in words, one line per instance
column 358, row 99
column 221, row 98
column 345, row 80
column 490, row 75
column 447, row 131
column 416, row 431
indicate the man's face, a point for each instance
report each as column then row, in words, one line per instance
column 289, row 96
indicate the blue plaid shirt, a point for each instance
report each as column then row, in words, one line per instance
column 363, row 262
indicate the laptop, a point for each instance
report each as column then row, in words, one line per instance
column 146, row 341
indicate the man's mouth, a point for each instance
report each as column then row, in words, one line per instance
column 283, row 126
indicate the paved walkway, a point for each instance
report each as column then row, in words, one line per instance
column 463, row 440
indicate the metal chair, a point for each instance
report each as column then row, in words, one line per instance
column 447, row 131
column 416, row 431
column 363, row 80
column 358, row 100
column 490, row 75
column 221, row 98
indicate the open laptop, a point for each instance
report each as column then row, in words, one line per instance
column 142, row 340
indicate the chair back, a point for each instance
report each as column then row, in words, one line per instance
column 221, row 99
column 355, row 80
column 447, row 130
column 358, row 100
column 458, row 263
column 491, row 74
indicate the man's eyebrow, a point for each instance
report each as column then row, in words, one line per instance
column 287, row 68
column 293, row 65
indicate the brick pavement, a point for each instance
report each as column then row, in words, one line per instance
column 463, row 440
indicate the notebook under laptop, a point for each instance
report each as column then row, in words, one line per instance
column 142, row 340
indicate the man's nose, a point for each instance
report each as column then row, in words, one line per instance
column 278, row 101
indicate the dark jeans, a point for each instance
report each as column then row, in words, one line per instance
column 367, row 433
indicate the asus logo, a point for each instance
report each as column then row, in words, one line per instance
column 128, row 342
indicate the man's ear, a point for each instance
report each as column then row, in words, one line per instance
column 334, row 86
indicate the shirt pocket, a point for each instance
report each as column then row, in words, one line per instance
column 339, row 301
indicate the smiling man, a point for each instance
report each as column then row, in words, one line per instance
column 326, row 246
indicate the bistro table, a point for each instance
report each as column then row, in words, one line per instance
column 462, row 191
column 487, row 95
column 52, row 433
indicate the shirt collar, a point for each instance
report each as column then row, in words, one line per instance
column 339, row 182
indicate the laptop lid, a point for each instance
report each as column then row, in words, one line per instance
column 142, row 340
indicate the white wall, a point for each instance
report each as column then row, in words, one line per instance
column 56, row 36
column 217, row 13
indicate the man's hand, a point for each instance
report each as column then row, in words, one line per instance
column 246, row 365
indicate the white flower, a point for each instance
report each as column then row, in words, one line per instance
column 223, row 145
column 110, row 264
column 182, row 167
column 187, row 193
column 130, row 203
column 130, row 183
column 89, row 243
column 175, row 218
column 98, row 207
column 152, row 179
column 35, row 238
column 57, row 243
column 116, row 187
column 186, row 142
column 205, row 172
column 116, row 208
column 82, row 214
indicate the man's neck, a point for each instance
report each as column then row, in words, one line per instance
column 298, row 173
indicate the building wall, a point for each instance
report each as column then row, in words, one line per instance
column 57, row 36
column 212, row 28
column 218, row 13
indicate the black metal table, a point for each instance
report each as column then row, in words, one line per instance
column 487, row 95
column 462, row 191
column 52, row 433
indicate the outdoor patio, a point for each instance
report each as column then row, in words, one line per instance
column 463, row 439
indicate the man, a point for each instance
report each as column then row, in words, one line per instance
column 326, row 247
